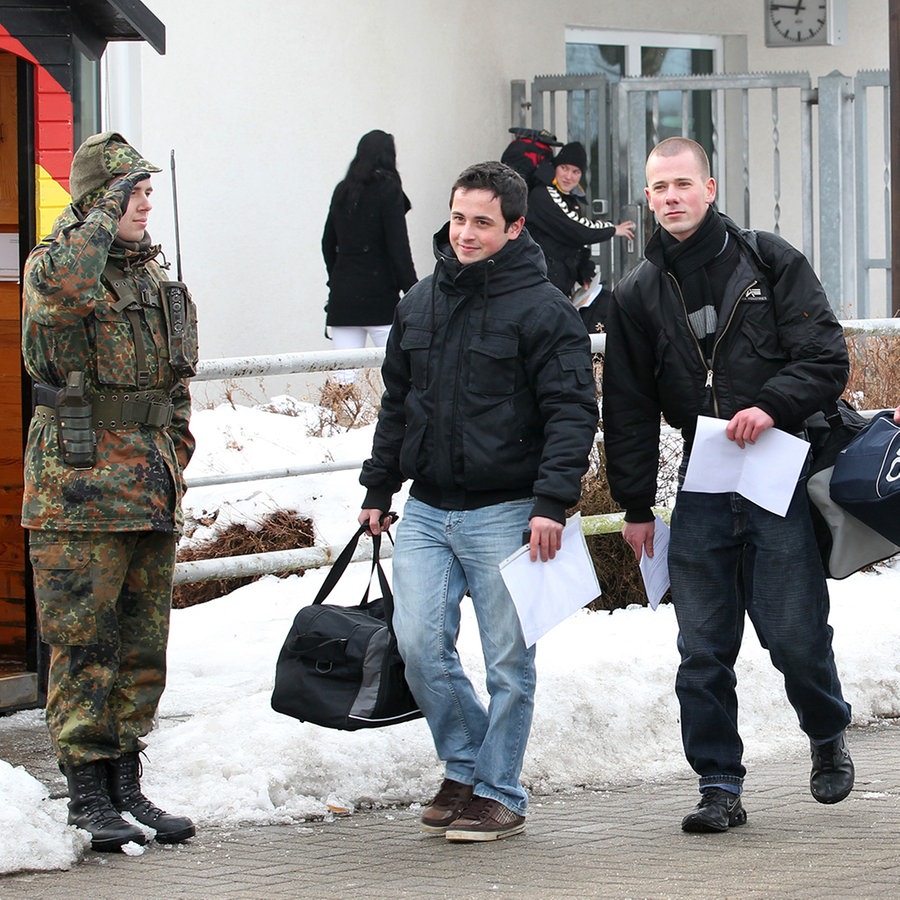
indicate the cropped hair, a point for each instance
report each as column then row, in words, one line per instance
column 502, row 181
column 674, row 145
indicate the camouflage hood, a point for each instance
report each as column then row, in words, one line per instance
column 100, row 158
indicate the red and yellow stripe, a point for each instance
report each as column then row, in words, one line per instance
column 53, row 138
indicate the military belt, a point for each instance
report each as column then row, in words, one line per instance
column 152, row 408
column 112, row 411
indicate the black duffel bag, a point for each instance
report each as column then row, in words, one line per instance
column 340, row 666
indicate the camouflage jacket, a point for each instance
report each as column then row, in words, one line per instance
column 70, row 323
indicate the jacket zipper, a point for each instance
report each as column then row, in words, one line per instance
column 710, row 367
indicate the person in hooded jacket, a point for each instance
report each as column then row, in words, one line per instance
column 490, row 408
column 557, row 222
column 366, row 248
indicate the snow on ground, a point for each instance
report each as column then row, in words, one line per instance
column 605, row 712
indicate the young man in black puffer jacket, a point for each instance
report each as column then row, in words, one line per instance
column 490, row 408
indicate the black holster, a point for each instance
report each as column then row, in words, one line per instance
column 77, row 440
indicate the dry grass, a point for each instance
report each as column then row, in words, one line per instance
column 617, row 569
column 281, row 530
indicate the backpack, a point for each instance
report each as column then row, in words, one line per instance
column 528, row 150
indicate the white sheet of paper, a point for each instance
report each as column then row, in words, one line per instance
column 547, row 593
column 765, row 473
column 655, row 569
column 585, row 297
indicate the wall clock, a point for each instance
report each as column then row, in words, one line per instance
column 805, row 23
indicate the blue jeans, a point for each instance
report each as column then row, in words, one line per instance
column 728, row 556
column 439, row 554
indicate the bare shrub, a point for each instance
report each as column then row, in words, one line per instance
column 344, row 406
column 874, row 371
column 280, row 530
column 233, row 390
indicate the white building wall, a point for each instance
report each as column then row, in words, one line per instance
column 264, row 103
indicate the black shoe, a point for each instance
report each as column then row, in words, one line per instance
column 90, row 808
column 718, row 810
column 831, row 778
column 125, row 793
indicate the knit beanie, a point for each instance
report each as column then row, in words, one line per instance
column 572, row 154
column 100, row 158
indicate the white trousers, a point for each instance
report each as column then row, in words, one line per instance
column 353, row 337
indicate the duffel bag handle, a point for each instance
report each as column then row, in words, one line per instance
column 339, row 566
column 343, row 560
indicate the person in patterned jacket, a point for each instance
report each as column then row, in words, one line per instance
column 556, row 221
column 106, row 449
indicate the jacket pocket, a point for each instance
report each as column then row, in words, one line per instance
column 493, row 367
column 116, row 357
column 63, row 590
column 416, row 343
column 762, row 342
column 574, row 364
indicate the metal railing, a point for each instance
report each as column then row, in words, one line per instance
column 285, row 561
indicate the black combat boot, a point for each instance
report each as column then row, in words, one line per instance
column 90, row 808
column 832, row 775
column 125, row 792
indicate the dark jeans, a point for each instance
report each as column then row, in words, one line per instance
column 728, row 556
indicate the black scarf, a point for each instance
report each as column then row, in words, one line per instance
column 688, row 261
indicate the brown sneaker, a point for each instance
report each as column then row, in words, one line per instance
column 485, row 820
column 448, row 803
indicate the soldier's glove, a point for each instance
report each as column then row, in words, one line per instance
column 120, row 190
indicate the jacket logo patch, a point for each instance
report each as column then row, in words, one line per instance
column 756, row 295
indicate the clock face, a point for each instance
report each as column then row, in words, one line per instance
column 800, row 21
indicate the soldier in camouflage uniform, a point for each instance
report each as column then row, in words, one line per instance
column 106, row 449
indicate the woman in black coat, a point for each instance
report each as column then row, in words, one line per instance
column 366, row 247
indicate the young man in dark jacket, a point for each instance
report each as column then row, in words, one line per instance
column 490, row 408
column 732, row 324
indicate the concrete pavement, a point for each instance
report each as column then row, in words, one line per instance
column 621, row 842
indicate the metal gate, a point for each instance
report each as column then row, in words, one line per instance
column 810, row 162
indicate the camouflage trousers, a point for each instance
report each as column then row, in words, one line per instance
column 103, row 601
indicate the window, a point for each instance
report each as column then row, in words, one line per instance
column 85, row 97
column 616, row 54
